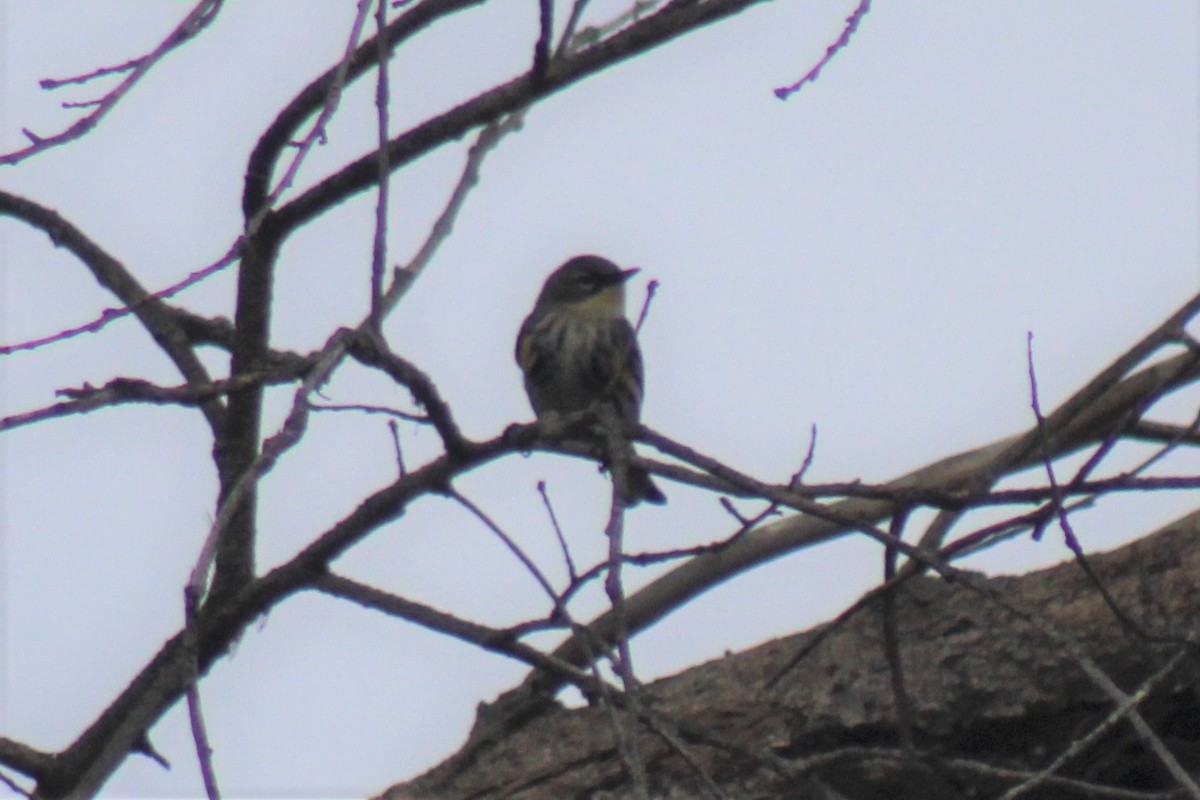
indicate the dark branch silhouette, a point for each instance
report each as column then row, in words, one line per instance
column 927, row 700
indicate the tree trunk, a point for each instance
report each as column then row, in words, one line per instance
column 1002, row 677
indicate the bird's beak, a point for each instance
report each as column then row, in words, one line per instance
column 626, row 274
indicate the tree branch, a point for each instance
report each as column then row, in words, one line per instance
column 159, row 320
column 197, row 20
column 311, row 99
column 673, row 21
column 822, row 523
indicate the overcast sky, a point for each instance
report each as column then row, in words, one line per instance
column 866, row 257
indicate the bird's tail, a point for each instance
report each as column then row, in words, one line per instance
column 639, row 486
column 636, row 485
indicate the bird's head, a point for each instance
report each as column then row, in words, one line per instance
column 590, row 283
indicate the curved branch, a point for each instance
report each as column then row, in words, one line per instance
column 123, row 391
column 311, row 98
column 158, row 318
column 197, row 20
column 956, row 473
column 674, row 20
column 986, row 676
column 372, row 351
column 495, row 640
column 97, row 753
column 238, row 448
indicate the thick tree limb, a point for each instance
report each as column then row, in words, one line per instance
column 994, row 701
column 957, row 474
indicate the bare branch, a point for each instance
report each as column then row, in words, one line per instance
column 256, row 194
column 594, row 34
column 509, row 543
column 672, row 21
column 1084, row 742
column 324, row 363
column 651, row 289
column 123, row 391
column 382, row 99
column 562, row 542
column 819, row 523
column 852, row 23
column 366, row 408
column 373, row 352
column 487, row 140
column 491, row 639
column 88, row 77
column 197, row 20
column 331, row 97
column 394, row 429
column 204, row 751
column 1163, row 432
column 13, row 786
column 164, row 680
column 26, row 760
column 541, row 50
column 159, row 319
column 625, row 730
column 566, row 42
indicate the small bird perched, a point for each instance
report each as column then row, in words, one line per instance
column 577, row 349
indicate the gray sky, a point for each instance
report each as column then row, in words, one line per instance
column 866, row 257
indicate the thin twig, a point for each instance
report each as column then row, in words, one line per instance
column 624, row 730
column 490, row 639
column 594, row 34
column 809, row 456
column 562, row 541
column 373, row 351
column 123, row 391
column 852, row 22
column 204, row 751
column 1059, row 507
column 651, row 290
column 627, row 739
column 568, row 35
column 110, row 315
column 197, row 20
column 316, row 133
column 379, row 247
column 947, row 478
column 401, row 469
column 1116, row 715
column 88, row 77
column 509, row 542
column 368, row 408
column 489, row 137
column 1056, row 499
column 1179, row 435
column 272, row 450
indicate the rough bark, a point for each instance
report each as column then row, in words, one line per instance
column 993, row 698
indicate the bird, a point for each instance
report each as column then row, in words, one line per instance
column 577, row 351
